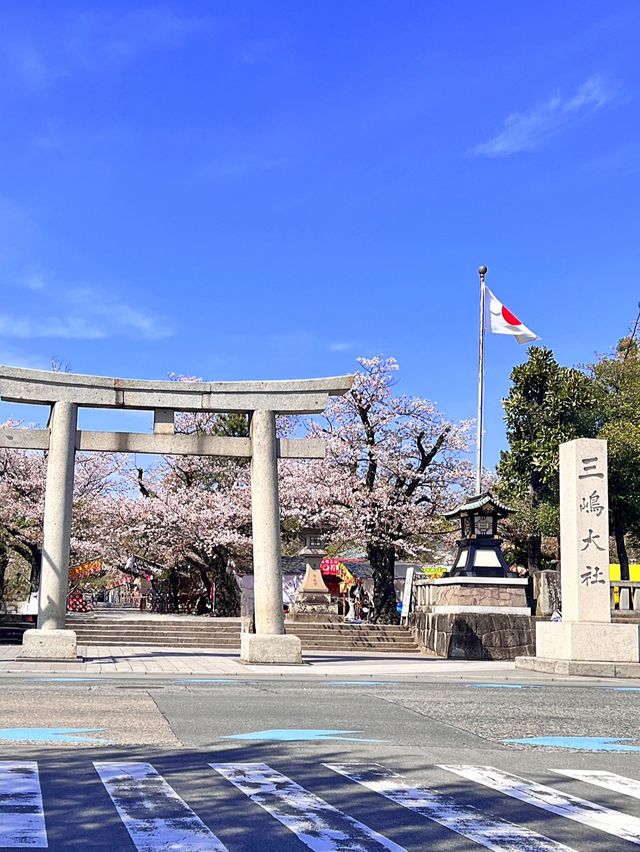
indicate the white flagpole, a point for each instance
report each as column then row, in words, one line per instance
column 482, row 271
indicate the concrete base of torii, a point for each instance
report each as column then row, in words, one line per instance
column 49, row 645
column 262, row 648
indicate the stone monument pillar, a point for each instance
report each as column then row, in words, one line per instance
column 585, row 637
column 51, row 640
column 268, row 644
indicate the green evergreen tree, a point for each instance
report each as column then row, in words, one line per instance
column 547, row 405
column 616, row 380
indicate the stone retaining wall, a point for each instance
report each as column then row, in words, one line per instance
column 472, row 636
column 480, row 595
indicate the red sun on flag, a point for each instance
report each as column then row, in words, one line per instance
column 512, row 319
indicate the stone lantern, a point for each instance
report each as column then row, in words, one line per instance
column 479, row 610
column 313, row 602
column 479, row 553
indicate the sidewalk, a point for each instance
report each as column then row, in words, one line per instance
column 139, row 660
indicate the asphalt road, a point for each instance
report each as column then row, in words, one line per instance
column 284, row 751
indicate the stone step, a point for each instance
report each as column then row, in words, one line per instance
column 204, row 622
column 329, row 649
column 232, row 631
column 224, row 634
column 156, row 629
column 109, row 638
column 166, row 628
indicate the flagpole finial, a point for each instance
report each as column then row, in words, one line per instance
column 482, row 271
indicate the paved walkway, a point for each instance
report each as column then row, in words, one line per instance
column 139, row 660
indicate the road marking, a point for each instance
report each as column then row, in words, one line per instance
column 579, row 743
column 296, row 734
column 65, row 679
column 316, row 823
column 490, row 832
column 210, row 680
column 51, row 735
column 152, row 812
column 504, row 685
column 21, row 812
column 621, row 688
column 608, row 780
column 572, row 807
column 353, row 683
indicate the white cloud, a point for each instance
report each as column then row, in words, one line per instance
column 92, row 41
column 339, row 346
column 28, row 328
column 112, row 316
column 34, row 280
column 14, row 357
column 30, row 64
column 524, row 131
column 90, row 314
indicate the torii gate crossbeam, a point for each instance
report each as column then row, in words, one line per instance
column 65, row 393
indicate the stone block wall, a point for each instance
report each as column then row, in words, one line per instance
column 480, row 595
column 471, row 636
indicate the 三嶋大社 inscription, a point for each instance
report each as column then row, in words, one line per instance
column 584, row 516
column 586, row 633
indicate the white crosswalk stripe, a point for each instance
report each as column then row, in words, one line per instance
column 490, row 832
column 152, row 812
column 612, row 822
column 157, row 818
column 608, row 780
column 316, row 823
column 22, row 823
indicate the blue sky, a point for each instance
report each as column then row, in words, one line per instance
column 269, row 190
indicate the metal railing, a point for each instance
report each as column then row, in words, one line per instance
column 625, row 595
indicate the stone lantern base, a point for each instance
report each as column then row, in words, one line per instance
column 313, row 602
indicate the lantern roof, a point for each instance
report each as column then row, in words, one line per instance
column 487, row 501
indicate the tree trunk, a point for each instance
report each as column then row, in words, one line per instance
column 174, row 585
column 227, row 597
column 534, row 553
column 383, row 563
column 621, row 547
column 4, row 564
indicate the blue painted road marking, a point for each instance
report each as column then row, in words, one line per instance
column 579, row 743
column 505, row 685
column 66, row 679
column 209, row 680
column 295, row 734
column 51, row 735
column 621, row 688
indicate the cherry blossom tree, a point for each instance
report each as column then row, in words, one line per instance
column 192, row 514
column 22, row 488
column 393, row 465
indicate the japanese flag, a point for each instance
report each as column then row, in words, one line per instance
column 504, row 322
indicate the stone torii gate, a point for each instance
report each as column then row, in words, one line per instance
column 65, row 393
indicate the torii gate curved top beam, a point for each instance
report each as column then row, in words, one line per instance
column 298, row 396
column 66, row 392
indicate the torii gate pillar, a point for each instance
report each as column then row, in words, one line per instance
column 51, row 639
column 66, row 392
column 269, row 644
